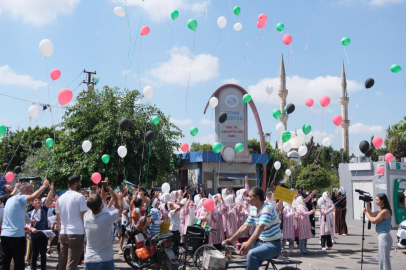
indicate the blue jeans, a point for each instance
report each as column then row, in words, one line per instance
column 109, row 265
column 261, row 252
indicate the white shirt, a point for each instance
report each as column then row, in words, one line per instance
column 69, row 206
column 175, row 220
column 124, row 218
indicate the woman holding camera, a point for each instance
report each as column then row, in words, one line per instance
column 382, row 219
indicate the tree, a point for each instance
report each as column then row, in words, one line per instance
column 95, row 117
column 194, row 147
column 206, row 147
column 313, row 177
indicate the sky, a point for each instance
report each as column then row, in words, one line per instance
column 185, row 67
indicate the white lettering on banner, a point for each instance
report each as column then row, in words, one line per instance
column 244, row 156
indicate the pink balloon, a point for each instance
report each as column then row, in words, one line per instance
column 65, row 96
column 388, row 157
column 287, row 39
column 55, row 74
column 262, row 18
column 184, row 147
column 260, row 24
column 96, row 177
column 144, row 30
column 208, row 205
column 309, row 102
column 337, row 119
column 380, row 170
column 324, row 101
column 377, row 142
column 9, row 177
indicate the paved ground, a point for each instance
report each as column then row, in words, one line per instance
column 346, row 253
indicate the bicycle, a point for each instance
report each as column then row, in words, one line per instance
column 230, row 249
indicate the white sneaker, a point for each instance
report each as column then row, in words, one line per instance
column 344, row 235
column 319, row 241
column 333, row 241
column 324, row 248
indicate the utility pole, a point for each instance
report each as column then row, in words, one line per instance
column 91, row 82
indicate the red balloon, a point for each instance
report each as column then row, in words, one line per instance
column 9, row 177
column 96, row 178
column 144, row 31
column 184, row 147
column 380, row 170
column 208, row 204
column 287, row 39
column 309, row 102
column 262, row 18
column 260, row 24
column 337, row 119
column 65, row 96
column 55, row 74
column 388, row 157
column 324, row 101
column 377, row 142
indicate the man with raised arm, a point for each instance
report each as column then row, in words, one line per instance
column 265, row 242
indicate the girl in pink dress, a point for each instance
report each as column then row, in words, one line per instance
column 217, row 214
column 232, row 226
column 288, row 226
column 303, row 223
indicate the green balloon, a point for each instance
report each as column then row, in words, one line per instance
column 175, row 14
column 237, row 10
column 239, row 147
column 246, row 98
column 306, row 129
column 217, row 147
column 276, row 113
column 285, row 110
column 194, row 131
column 345, row 41
column 105, row 158
column 155, row 120
column 49, row 142
column 280, row 27
column 192, row 24
column 395, row 68
column 3, row 130
column 286, row 136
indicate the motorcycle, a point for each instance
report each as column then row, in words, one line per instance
column 154, row 253
column 402, row 235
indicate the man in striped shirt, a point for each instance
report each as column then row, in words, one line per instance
column 265, row 242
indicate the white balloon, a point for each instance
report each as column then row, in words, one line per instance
column 277, row 165
column 280, row 128
column 86, row 146
column 287, row 146
column 288, row 172
column 119, row 11
column 302, row 150
column 222, row 22
column 269, row 90
column 46, row 47
column 237, row 26
column 166, row 188
column 148, row 92
column 214, row 102
column 33, row 112
column 122, row 151
column 326, row 142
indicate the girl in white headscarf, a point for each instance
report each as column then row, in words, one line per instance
column 288, row 226
column 303, row 223
column 231, row 226
column 326, row 221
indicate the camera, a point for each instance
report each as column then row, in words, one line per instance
column 364, row 196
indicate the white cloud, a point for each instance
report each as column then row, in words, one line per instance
column 318, row 135
column 360, row 128
column 181, row 122
column 302, row 88
column 160, row 10
column 384, row 2
column 37, row 12
column 203, row 68
column 9, row 77
column 208, row 139
column 206, row 122
column 230, row 81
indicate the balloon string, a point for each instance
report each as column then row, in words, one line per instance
column 356, row 107
column 257, row 39
column 119, row 159
column 310, row 28
column 191, row 63
column 100, row 24
column 346, row 55
column 136, row 39
column 149, row 155
column 257, row 111
column 139, row 57
column 74, row 162
column 18, row 146
column 142, row 156
column 225, row 40
column 167, row 58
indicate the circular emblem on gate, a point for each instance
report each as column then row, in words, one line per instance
column 231, row 101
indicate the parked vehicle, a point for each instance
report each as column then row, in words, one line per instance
column 402, row 235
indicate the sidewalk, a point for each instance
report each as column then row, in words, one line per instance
column 344, row 244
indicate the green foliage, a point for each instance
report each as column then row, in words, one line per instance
column 95, row 117
column 313, row 177
column 395, row 140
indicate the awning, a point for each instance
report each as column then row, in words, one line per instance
column 232, row 176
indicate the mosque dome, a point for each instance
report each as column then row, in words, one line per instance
column 296, row 142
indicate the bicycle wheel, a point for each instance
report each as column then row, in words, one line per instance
column 198, row 256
